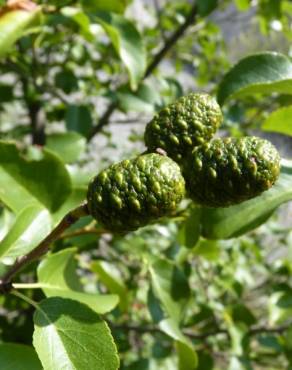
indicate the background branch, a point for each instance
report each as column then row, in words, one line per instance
column 158, row 57
column 193, row 335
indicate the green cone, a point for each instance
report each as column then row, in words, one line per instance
column 231, row 170
column 188, row 122
column 135, row 192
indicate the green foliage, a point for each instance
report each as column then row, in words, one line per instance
column 128, row 44
column 206, row 6
column 68, row 146
column 14, row 24
column 279, row 121
column 117, row 6
column 260, row 73
column 57, row 277
column 30, row 227
column 64, row 328
column 16, row 356
column 43, row 178
column 78, row 118
column 171, row 292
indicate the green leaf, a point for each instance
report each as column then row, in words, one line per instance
column 145, row 99
column 66, row 80
column 189, row 232
column 280, row 121
column 6, row 93
column 205, row 7
column 18, row 357
column 127, row 42
column 110, row 276
column 69, row 335
column 77, row 196
column 224, row 223
column 208, row 249
column 117, row 6
column 188, row 359
column 30, row 227
column 170, row 286
column 259, row 73
column 14, row 24
column 78, row 118
column 68, row 146
column 242, row 4
column 280, row 307
column 57, row 277
column 25, row 180
column 82, row 20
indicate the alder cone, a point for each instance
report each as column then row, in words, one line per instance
column 228, row 171
column 188, row 122
column 135, row 192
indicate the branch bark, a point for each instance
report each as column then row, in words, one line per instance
column 158, row 57
column 43, row 247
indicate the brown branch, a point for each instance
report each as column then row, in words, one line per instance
column 169, row 43
column 155, row 329
column 33, row 104
column 43, row 247
column 264, row 329
column 191, row 334
column 104, row 119
column 172, row 40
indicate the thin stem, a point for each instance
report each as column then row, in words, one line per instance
column 43, row 247
column 265, row 329
column 168, row 44
column 85, row 231
column 27, row 286
column 25, row 298
column 104, row 119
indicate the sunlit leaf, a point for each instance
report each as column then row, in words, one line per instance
column 69, row 335
column 30, row 227
column 187, row 356
column 170, row 287
column 266, row 72
column 279, row 121
column 68, row 146
column 57, row 277
column 127, row 42
column 117, row 6
column 111, row 277
column 42, row 179
column 76, row 197
column 242, row 4
column 14, row 23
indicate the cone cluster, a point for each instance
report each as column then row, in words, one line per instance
column 216, row 172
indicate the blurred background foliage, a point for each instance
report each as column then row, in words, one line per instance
column 76, row 91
